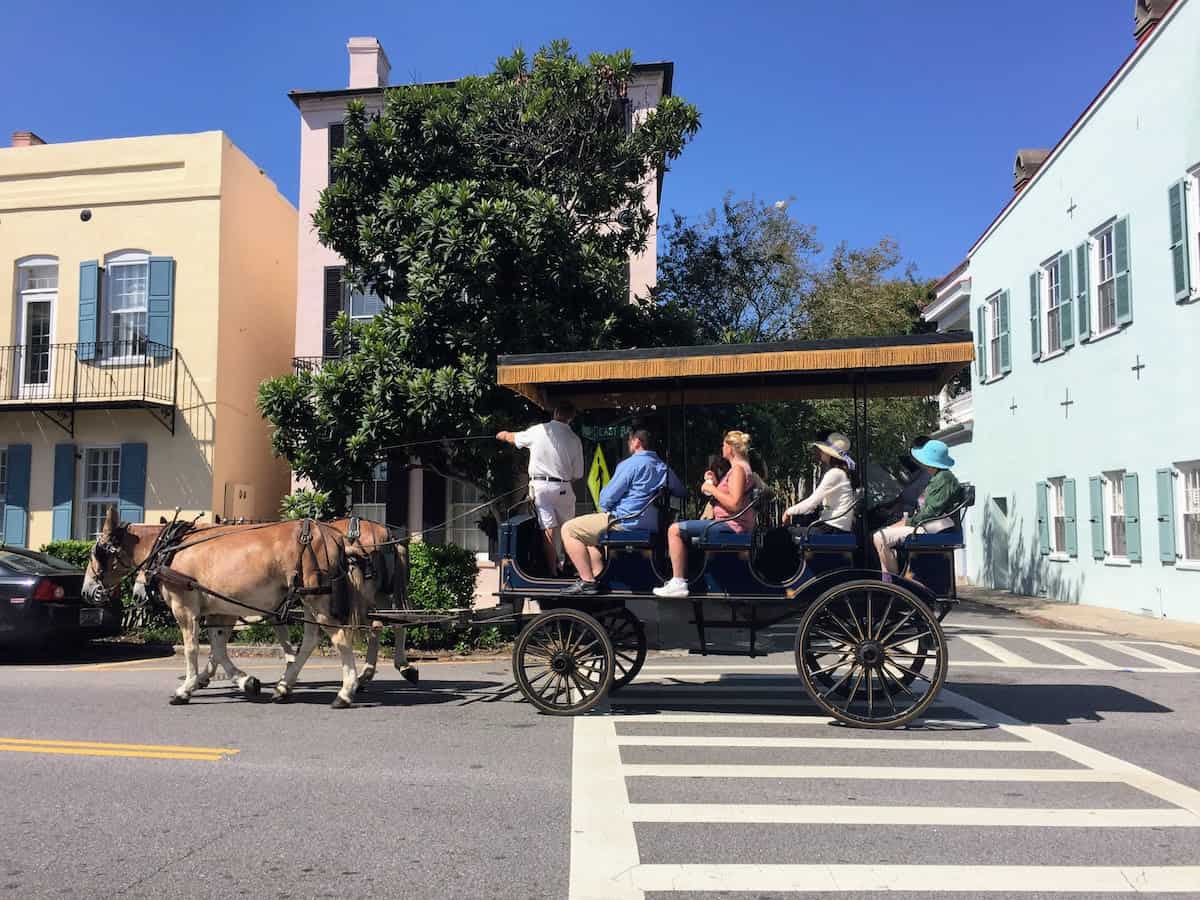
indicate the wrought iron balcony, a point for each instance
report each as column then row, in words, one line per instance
column 59, row 379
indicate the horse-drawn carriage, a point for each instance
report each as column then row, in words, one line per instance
column 869, row 653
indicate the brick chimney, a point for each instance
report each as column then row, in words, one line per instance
column 1026, row 166
column 1146, row 15
column 26, row 139
column 369, row 66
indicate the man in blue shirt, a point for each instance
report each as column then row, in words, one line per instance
column 634, row 483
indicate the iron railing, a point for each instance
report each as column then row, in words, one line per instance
column 310, row 363
column 92, row 373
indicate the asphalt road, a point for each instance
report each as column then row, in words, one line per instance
column 1057, row 764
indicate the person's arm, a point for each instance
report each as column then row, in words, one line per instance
column 816, row 498
column 674, row 485
column 732, row 497
column 577, row 470
column 617, row 487
column 939, row 499
column 507, row 437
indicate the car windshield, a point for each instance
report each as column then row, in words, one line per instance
column 32, row 563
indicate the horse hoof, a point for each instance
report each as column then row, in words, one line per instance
column 339, row 703
column 363, row 685
column 176, row 700
column 279, row 697
column 252, row 687
column 411, row 675
column 201, row 684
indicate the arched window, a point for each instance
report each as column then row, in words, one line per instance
column 122, row 326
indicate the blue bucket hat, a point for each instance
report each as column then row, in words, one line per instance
column 934, row 454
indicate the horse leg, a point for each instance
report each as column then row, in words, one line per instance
column 368, row 672
column 189, row 628
column 343, row 639
column 407, row 671
column 283, row 637
column 218, row 638
column 312, row 635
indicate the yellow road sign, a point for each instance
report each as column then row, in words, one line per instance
column 598, row 476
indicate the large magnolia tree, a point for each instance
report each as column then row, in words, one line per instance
column 494, row 215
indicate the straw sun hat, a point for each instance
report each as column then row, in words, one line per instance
column 837, row 446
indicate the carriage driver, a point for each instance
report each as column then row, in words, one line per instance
column 555, row 461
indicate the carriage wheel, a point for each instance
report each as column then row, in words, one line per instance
column 628, row 637
column 863, row 649
column 563, row 662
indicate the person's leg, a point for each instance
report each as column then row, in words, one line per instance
column 551, row 550
column 677, row 549
column 578, row 554
column 581, row 536
column 597, row 559
column 886, row 540
column 543, row 506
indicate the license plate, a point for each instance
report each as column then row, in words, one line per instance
column 91, row 616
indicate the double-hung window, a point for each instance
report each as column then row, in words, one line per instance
column 368, row 499
column 1058, row 516
column 1053, row 276
column 3, row 487
column 1106, row 282
column 463, row 527
column 101, row 486
column 37, row 286
column 994, row 335
column 1190, row 510
column 1114, row 518
column 124, row 305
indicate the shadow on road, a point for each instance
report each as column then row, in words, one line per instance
column 82, row 654
column 379, row 694
column 1058, row 704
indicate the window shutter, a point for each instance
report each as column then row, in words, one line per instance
column 160, row 300
column 64, row 492
column 337, row 140
column 1035, row 313
column 335, row 301
column 1164, row 481
column 1066, row 305
column 1043, row 518
column 981, row 318
column 89, row 302
column 132, row 485
column 1121, row 267
column 1083, row 310
column 16, row 495
column 1005, row 349
column 1180, row 267
column 1096, row 508
column 1133, row 522
column 1069, row 517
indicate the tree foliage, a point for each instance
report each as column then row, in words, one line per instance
column 494, row 215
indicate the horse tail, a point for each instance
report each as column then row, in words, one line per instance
column 344, row 604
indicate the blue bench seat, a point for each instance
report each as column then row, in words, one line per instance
column 632, row 537
column 724, row 541
column 834, row 542
column 943, row 540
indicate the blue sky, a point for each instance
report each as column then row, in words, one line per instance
column 881, row 118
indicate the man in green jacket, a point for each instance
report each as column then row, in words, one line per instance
column 942, row 495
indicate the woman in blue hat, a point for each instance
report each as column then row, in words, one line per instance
column 942, row 494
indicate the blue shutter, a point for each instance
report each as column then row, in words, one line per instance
column 160, row 300
column 64, row 491
column 1043, row 519
column 1121, row 268
column 89, row 308
column 1066, row 306
column 16, row 497
column 1096, row 519
column 981, row 342
column 132, row 505
column 1083, row 310
column 1069, row 519
column 1180, row 265
column 1164, row 480
column 1035, row 314
column 1133, row 521
column 1005, row 348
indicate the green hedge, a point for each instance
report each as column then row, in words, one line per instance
column 77, row 553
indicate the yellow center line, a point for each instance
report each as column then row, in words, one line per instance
column 108, row 746
column 121, row 754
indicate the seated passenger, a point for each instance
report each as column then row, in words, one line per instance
column 942, row 495
column 916, row 480
column 728, row 495
column 834, row 494
column 719, row 467
column 635, row 481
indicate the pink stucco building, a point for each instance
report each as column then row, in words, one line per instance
column 420, row 499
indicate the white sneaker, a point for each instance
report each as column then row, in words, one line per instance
column 674, row 588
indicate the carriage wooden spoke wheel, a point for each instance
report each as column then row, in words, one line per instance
column 628, row 637
column 871, row 654
column 563, row 662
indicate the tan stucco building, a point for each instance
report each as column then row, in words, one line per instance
column 152, row 286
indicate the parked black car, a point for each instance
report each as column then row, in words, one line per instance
column 40, row 602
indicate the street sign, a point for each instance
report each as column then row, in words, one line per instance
column 598, row 476
column 604, row 432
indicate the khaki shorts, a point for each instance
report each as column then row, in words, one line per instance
column 587, row 529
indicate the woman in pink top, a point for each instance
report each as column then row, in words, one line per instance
column 728, row 496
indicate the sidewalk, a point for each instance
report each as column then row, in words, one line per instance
column 1088, row 618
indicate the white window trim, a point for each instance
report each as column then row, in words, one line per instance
column 81, row 486
column 1044, row 306
column 1056, row 487
column 995, row 372
column 1106, row 515
column 24, row 295
column 1093, row 251
column 127, row 257
column 1192, row 201
column 457, row 525
column 1179, row 471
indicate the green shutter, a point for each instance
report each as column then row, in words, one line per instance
column 1133, row 521
column 1164, row 481
column 1096, row 518
column 1180, row 266
column 1005, row 349
column 1035, row 314
column 16, row 495
column 160, row 300
column 1083, row 312
column 132, row 483
column 1066, row 323
column 1069, row 517
column 1043, row 519
column 981, row 342
column 1121, row 267
column 64, row 492
column 89, row 308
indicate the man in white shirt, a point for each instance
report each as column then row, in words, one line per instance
column 555, row 461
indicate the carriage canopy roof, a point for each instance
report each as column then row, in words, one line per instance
column 914, row 365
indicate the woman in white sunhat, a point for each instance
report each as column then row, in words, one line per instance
column 942, row 494
column 835, row 493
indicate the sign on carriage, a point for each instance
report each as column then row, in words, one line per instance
column 598, row 476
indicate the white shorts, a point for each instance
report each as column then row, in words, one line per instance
column 554, row 502
column 894, row 534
